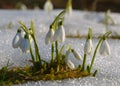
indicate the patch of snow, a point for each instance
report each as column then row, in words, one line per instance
column 78, row 23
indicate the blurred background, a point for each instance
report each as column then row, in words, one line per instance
column 91, row 5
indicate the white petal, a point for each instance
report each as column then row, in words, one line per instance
column 107, row 48
column 48, row 6
column 47, row 39
column 67, row 53
column 104, row 48
column 63, row 34
column 88, row 46
column 17, row 40
column 52, row 36
column 60, row 34
column 49, row 36
column 70, row 64
column 77, row 55
column 25, row 46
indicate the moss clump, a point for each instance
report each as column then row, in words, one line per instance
column 16, row 75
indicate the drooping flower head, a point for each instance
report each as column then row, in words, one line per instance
column 17, row 39
column 25, row 44
column 88, row 44
column 104, row 48
column 77, row 55
column 60, row 33
column 70, row 64
column 48, row 6
column 49, row 36
column 108, row 19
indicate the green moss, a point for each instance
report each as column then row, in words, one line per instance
column 16, row 75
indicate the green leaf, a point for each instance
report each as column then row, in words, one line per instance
column 24, row 27
column 61, row 50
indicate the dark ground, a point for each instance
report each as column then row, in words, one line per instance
column 96, row 5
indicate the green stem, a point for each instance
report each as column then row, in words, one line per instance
column 56, row 45
column 84, row 62
column 31, row 32
column 90, row 33
column 24, row 27
column 38, row 58
column 31, row 52
column 95, row 52
column 96, row 49
column 52, row 52
column 57, row 18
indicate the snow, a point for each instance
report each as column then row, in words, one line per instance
column 76, row 24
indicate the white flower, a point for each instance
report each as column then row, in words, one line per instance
column 67, row 53
column 49, row 36
column 88, row 46
column 104, row 48
column 23, row 7
column 77, row 55
column 48, row 6
column 59, row 34
column 67, row 61
column 17, row 39
column 30, row 37
column 70, row 64
column 25, row 45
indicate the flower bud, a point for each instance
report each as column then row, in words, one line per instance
column 88, row 46
column 77, row 55
column 70, row 64
column 48, row 6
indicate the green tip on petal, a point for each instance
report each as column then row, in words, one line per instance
column 51, row 26
column 90, row 33
column 19, row 30
column 26, row 36
column 61, row 22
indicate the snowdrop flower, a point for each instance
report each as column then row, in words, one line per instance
column 25, row 45
column 76, row 54
column 23, row 7
column 60, row 33
column 48, row 6
column 88, row 46
column 108, row 19
column 67, row 53
column 70, row 64
column 104, row 48
column 30, row 37
column 67, row 61
column 49, row 36
column 17, row 39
